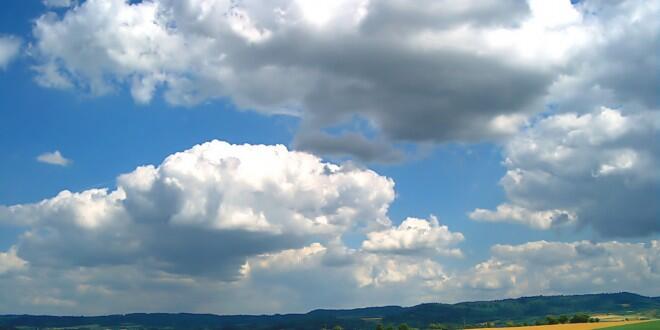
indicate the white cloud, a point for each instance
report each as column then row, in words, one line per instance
column 378, row 271
column 545, row 219
column 423, row 72
column 309, row 277
column 595, row 169
column 221, row 224
column 619, row 68
column 353, row 277
column 287, row 259
column 54, row 158
column 566, row 268
column 412, row 236
column 10, row 262
column 9, row 49
column 49, row 75
column 204, row 210
column 416, row 72
column 222, row 220
column 162, row 240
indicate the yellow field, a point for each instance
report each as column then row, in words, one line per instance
column 616, row 317
column 575, row 326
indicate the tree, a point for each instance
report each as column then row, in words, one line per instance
column 337, row 327
column 580, row 318
column 380, row 327
column 404, row 326
column 552, row 320
column 563, row 319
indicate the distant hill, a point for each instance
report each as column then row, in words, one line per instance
column 449, row 315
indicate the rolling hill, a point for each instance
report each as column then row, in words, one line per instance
column 449, row 315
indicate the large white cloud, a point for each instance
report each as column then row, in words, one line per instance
column 430, row 71
column 221, row 220
column 225, row 228
column 213, row 229
column 354, row 277
column 204, row 210
column 285, row 281
column 555, row 268
column 331, row 275
column 600, row 169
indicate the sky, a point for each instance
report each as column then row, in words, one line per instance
column 231, row 157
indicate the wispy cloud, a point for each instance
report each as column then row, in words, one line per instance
column 59, row 3
column 10, row 46
column 54, row 158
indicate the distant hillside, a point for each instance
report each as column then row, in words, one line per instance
column 525, row 308
column 450, row 315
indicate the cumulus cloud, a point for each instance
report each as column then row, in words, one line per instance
column 308, row 277
column 619, row 66
column 204, row 210
column 555, row 267
column 379, row 271
column 54, row 158
column 355, row 278
column 422, row 72
column 360, row 267
column 211, row 228
column 414, row 235
column 221, row 220
column 9, row 49
column 536, row 219
column 597, row 169
column 221, row 224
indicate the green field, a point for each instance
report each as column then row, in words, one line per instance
column 651, row 325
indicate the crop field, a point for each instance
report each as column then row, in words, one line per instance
column 619, row 325
column 650, row 325
column 620, row 317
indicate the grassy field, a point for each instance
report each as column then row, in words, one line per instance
column 622, row 325
column 650, row 325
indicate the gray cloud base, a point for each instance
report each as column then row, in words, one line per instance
column 371, row 61
column 599, row 170
column 423, row 72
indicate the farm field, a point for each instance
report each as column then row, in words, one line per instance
column 650, row 325
column 618, row 325
column 619, row 317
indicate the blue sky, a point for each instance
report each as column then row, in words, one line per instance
column 506, row 154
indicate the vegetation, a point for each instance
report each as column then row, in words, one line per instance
column 539, row 310
column 580, row 318
column 563, row 319
column 650, row 325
